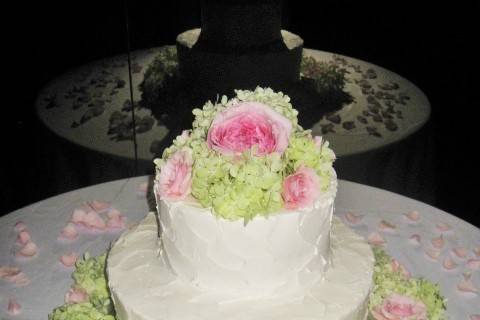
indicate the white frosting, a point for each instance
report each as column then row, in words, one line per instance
column 144, row 288
column 282, row 254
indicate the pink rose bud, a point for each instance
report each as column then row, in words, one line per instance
column 301, row 189
column 249, row 124
column 175, row 180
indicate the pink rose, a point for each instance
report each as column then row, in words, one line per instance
column 397, row 307
column 300, row 189
column 247, row 124
column 175, row 180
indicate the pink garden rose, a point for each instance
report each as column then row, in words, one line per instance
column 397, row 307
column 247, row 124
column 300, row 189
column 175, row 180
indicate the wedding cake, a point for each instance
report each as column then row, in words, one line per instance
column 244, row 227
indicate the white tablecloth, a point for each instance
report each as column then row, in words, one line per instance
column 50, row 280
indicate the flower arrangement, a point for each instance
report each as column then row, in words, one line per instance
column 396, row 295
column 246, row 156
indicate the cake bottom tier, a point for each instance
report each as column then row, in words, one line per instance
column 144, row 288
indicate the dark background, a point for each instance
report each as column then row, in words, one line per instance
column 431, row 45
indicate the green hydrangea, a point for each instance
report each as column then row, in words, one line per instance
column 79, row 311
column 388, row 282
column 89, row 275
column 240, row 188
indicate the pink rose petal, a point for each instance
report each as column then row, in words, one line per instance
column 114, row 213
column 94, row 221
column 143, row 187
column 68, row 260
column 466, row 285
column 79, row 215
column 21, row 279
column 477, row 251
column 29, row 250
column 386, row 226
column 14, row 275
column 438, row 243
column 432, row 254
column 376, row 239
column 449, row 264
column 460, row 252
column 443, row 227
column 353, row 218
column 415, row 239
column 14, row 308
column 69, row 232
column 20, row 226
column 99, row 206
column 76, row 295
column 116, row 222
column 475, row 317
column 23, row 237
column 473, row 264
column 412, row 216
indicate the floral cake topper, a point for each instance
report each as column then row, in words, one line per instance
column 246, row 156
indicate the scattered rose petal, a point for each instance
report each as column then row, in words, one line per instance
column 353, row 218
column 432, row 254
column 23, row 237
column 376, row 239
column 79, row 215
column 398, row 267
column 93, row 220
column 460, row 252
column 69, row 232
column 438, row 242
column 114, row 213
column 443, row 227
column 386, row 226
column 7, row 271
column 99, row 206
column 20, row 226
column 413, row 216
column 449, row 264
column 466, row 285
column 14, row 275
column 477, row 251
column 475, row 317
column 143, row 187
column 76, row 295
column 29, row 250
column 68, row 260
column 415, row 239
column 14, row 308
column 21, row 279
column 473, row 264
column 116, row 222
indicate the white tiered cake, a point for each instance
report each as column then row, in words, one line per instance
column 192, row 263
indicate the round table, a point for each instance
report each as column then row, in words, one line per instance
column 50, row 280
column 79, row 106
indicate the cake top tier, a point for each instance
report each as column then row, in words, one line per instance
column 241, row 24
column 246, row 156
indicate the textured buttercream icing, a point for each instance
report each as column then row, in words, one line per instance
column 144, row 287
column 282, row 254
